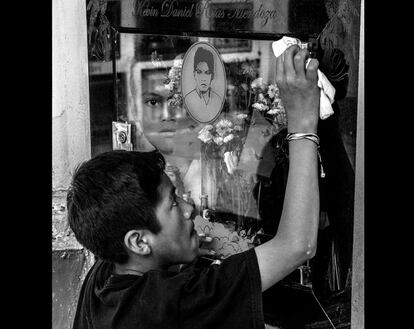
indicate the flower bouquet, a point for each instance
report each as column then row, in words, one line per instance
column 224, row 140
column 268, row 103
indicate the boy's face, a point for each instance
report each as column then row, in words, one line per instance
column 203, row 76
column 177, row 242
column 161, row 124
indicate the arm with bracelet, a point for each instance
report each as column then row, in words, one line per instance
column 295, row 240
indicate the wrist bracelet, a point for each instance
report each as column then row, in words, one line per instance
column 310, row 136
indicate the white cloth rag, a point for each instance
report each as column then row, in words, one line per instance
column 327, row 90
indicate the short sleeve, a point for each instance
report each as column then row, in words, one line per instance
column 223, row 296
column 217, row 296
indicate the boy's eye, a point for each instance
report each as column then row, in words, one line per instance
column 152, row 102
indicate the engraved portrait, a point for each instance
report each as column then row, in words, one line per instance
column 203, row 82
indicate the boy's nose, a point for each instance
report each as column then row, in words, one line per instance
column 166, row 115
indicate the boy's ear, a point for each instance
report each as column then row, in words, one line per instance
column 135, row 241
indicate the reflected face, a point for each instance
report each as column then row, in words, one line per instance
column 154, row 99
column 159, row 121
column 203, row 77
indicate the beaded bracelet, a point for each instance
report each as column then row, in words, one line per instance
column 310, row 136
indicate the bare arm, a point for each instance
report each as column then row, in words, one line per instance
column 295, row 241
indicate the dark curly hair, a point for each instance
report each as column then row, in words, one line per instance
column 204, row 55
column 111, row 194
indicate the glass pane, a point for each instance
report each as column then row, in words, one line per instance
column 237, row 163
column 222, row 157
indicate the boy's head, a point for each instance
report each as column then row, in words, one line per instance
column 110, row 194
column 119, row 204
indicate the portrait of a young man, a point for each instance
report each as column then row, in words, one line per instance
column 203, row 82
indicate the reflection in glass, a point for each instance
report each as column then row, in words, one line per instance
column 240, row 160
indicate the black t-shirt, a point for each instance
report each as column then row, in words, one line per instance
column 217, row 296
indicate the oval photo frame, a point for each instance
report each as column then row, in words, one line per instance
column 204, row 85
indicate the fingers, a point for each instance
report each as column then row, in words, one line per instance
column 292, row 65
column 312, row 70
column 299, row 61
column 280, row 70
column 297, row 83
column 288, row 61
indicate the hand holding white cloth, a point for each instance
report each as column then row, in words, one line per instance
column 327, row 90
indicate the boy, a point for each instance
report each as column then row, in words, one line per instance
column 123, row 208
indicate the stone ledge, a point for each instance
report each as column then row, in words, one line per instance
column 62, row 236
column 69, row 268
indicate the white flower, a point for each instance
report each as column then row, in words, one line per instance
column 238, row 128
column 273, row 91
column 228, row 138
column 231, row 161
column 224, row 123
column 261, row 97
column 221, row 131
column 257, row 83
column 260, row 106
column 241, row 116
column 224, row 126
column 218, row 140
column 273, row 111
column 205, row 136
column 206, row 128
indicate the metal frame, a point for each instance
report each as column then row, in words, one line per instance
column 200, row 33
